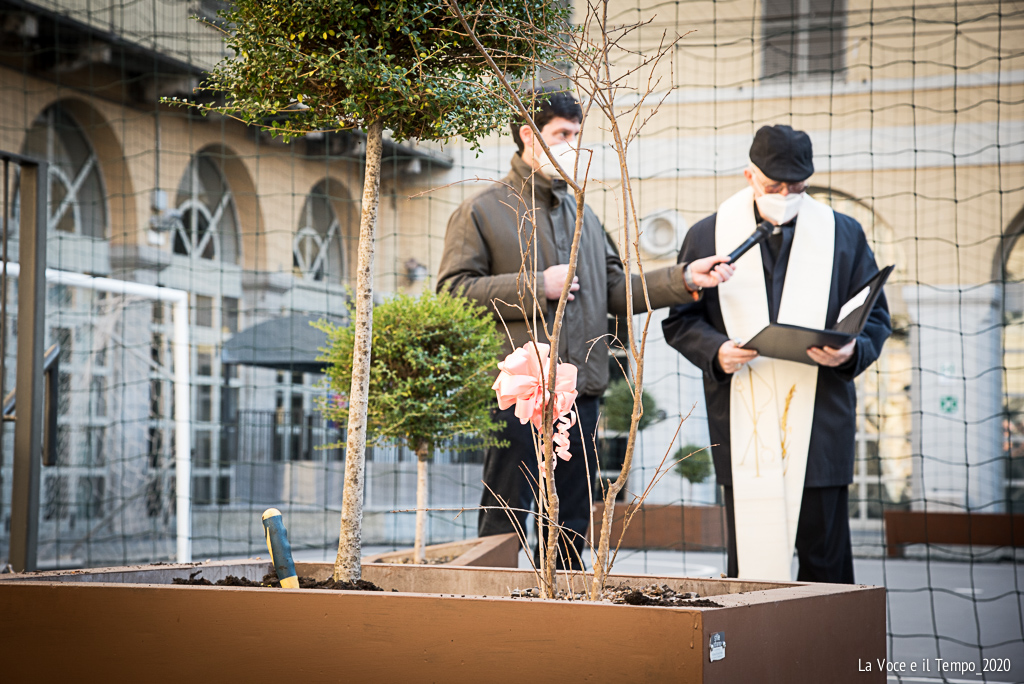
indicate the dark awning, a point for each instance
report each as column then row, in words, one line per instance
column 288, row 343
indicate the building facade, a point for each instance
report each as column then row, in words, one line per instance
column 912, row 113
column 252, row 228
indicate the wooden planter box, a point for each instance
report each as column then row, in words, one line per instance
column 969, row 529
column 670, row 527
column 496, row 551
column 443, row 624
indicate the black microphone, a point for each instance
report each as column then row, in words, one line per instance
column 763, row 230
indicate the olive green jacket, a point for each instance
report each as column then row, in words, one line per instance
column 491, row 255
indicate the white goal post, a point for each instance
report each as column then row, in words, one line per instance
column 182, row 409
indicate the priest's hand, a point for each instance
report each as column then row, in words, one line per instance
column 731, row 357
column 827, row 356
column 710, row 271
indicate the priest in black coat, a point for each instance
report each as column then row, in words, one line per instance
column 781, row 163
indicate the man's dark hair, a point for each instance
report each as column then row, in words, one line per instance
column 547, row 106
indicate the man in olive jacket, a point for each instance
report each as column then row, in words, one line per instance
column 495, row 255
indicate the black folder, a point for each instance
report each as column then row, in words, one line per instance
column 791, row 342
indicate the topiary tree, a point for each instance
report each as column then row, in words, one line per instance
column 618, row 407
column 430, row 378
column 307, row 65
column 693, row 463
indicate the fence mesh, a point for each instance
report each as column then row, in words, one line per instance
column 915, row 113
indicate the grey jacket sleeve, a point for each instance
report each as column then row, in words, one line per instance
column 690, row 327
column 665, row 286
column 466, row 266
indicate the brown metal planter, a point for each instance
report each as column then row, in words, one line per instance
column 667, row 526
column 443, row 624
column 495, row 551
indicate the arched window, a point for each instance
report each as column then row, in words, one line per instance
column 76, row 200
column 318, row 252
column 207, row 223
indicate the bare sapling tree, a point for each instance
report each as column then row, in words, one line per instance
column 625, row 89
column 300, row 66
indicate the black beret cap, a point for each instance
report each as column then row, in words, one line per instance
column 782, row 154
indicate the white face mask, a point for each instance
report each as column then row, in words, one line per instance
column 565, row 154
column 778, row 208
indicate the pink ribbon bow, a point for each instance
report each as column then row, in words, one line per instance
column 521, row 382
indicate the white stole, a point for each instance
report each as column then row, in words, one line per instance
column 772, row 401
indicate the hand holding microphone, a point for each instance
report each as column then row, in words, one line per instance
column 708, row 272
column 713, row 270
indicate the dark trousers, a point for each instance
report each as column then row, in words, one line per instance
column 823, row 545
column 504, row 476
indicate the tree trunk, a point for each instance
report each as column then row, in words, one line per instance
column 422, row 458
column 550, row 559
column 347, row 566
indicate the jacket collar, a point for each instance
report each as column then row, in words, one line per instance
column 548, row 192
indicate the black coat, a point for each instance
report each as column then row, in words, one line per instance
column 697, row 330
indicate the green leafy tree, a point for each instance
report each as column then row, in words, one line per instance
column 430, row 378
column 693, row 463
column 306, row 65
column 618, row 407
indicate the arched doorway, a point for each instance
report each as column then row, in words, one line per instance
column 883, row 469
column 1010, row 271
column 207, row 242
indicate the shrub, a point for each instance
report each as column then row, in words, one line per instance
column 618, row 407
column 696, row 465
column 430, row 375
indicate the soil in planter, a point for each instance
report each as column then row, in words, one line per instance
column 194, row 579
column 654, row 595
column 408, row 560
column 270, row 581
column 651, row 595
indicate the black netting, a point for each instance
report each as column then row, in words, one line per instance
column 916, row 118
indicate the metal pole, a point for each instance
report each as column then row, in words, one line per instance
column 28, row 428
column 182, row 432
column 3, row 324
column 182, row 405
